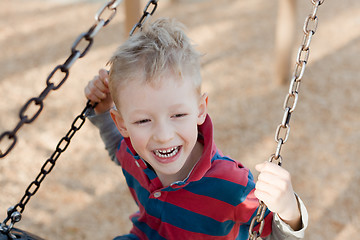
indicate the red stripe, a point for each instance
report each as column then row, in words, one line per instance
column 250, row 204
column 139, row 233
column 169, row 231
column 230, row 171
column 203, row 205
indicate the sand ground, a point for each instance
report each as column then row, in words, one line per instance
column 85, row 197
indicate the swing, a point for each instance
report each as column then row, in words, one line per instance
column 7, row 231
column 283, row 130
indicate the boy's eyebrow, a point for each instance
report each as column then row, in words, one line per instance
column 138, row 111
column 142, row 111
column 180, row 107
column 177, row 105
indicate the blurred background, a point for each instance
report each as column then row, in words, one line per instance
column 85, row 197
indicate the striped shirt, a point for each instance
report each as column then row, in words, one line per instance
column 215, row 201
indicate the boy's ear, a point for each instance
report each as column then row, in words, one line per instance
column 119, row 122
column 202, row 109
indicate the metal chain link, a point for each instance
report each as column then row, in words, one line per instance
column 145, row 16
column 14, row 212
column 62, row 70
column 283, row 130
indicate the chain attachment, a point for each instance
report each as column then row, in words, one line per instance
column 309, row 29
column 12, row 215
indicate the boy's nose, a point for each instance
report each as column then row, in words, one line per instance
column 163, row 133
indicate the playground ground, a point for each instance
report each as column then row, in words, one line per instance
column 85, row 197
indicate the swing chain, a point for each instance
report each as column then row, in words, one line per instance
column 33, row 107
column 14, row 212
column 283, row 129
column 145, row 16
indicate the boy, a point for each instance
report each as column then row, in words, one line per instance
column 161, row 135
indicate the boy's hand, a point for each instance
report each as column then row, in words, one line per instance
column 97, row 91
column 274, row 188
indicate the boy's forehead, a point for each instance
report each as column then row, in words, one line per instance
column 156, row 82
column 136, row 85
column 144, row 98
column 165, row 86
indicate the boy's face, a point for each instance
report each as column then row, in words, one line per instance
column 161, row 123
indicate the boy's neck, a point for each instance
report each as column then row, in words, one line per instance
column 193, row 158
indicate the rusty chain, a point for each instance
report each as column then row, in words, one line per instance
column 14, row 212
column 283, row 129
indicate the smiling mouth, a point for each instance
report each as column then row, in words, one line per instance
column 167, row 153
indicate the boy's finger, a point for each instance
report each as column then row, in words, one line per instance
column 91, row 96
column 104, row 76
column 273, row 181
column 101, row 86
column 265, row 195
column 272, row 168
column 263, row 187
column 95, row 92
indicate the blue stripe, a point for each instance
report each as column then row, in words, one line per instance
column 217, row 156
column 243, row 232
column 232, row 187
column 194, row 222
column 150, row 173
column 175, row 215
column 141, row 193
column 223, row 190
column 148, row 231
column 137, row 157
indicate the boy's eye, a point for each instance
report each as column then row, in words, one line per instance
column 142, row 121
column 179, row 115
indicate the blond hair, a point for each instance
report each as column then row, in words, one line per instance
column 161, row 47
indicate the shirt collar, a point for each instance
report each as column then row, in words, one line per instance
column 206, row 138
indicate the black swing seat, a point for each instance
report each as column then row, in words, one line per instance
column 18, row 234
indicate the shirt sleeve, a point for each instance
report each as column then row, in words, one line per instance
column 108, row 132
column 281, row 230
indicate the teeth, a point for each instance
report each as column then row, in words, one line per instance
column 167, row 153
